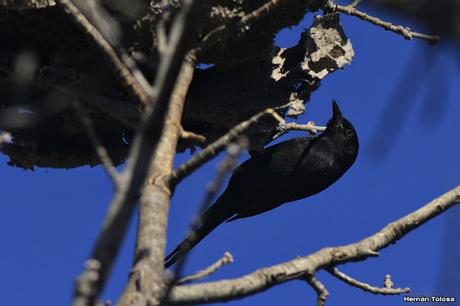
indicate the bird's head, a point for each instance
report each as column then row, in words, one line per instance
column 340, row 126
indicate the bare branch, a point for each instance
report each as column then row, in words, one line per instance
column 387, row 290
column 218, row 146
column 129, row 80
column 398, row 29
column 146, row 280
column 86, row 283
column 144, row 144
column 310, row 127
column 226, row 259
column 100, row 149
column 320, row 289
column 300, row 267
column 355, row 3
column 190, row 136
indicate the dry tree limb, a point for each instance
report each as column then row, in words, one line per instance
column 226, row 259
column 302, row 267
column 310, row 127
column 146, row 281
column 143, row 146
column 387, row 290
column 191, row 136
column 129, row 80
column 320, row 289
column 355, row 3
column 398, row 29
column 100, row 149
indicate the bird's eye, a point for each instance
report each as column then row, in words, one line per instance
column 348, row 132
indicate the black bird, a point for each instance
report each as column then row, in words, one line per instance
column 285, row 172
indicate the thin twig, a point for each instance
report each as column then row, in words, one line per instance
column 162, row 40
column 218, row 146
column 226, row 259
column 191, row 136
column 226, row 166
column 100, row 149
column 387, row 290
column 398, row 29
column 355, row 3
column 135, row 71
column 265, row 278
column 310, row 127
column 320, row 289
column 129, row 80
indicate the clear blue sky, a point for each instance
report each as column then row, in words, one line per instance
column 49, row 218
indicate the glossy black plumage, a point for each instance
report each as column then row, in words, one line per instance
column 285, row 172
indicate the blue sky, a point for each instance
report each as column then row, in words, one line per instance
column 49, row 218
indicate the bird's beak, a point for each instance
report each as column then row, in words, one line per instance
column 336, row 113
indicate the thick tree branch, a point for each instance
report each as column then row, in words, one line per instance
column 146, row 280
column 302, row 267
column 144, row 144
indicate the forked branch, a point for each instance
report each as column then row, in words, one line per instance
column 302, row 267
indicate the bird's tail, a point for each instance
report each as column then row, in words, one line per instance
column 213, row 217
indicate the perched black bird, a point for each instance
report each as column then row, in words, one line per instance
column 285, row 172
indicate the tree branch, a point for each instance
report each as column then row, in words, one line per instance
column 192, row 137
column 144, row 144
column 320, row 289
column 299, row 268
column 366, row 287
column 310, row 127
column 146, row 280
column 226, row 259
column 355, row 3
column 100, row 149
column 398, row 29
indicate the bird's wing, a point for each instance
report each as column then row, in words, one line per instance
column 262, row 182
